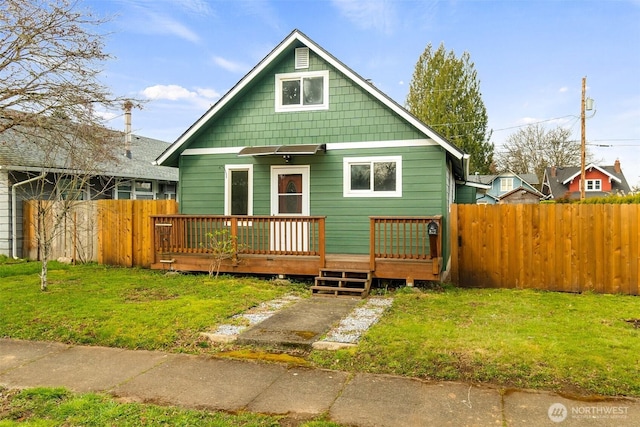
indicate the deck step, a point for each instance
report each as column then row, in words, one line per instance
column 342, row 282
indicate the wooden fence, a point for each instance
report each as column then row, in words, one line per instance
column 114, row 232
column 570, row 248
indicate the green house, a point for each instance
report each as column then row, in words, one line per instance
column 304, row 136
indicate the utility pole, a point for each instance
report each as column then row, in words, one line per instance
column 583, row 150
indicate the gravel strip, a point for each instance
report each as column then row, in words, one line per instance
column 348, row 331
column 358, row 321
column 255, row 315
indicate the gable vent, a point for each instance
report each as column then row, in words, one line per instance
column 302, row 57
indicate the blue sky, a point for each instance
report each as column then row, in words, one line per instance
column 181, row 56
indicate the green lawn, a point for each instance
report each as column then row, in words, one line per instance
column 58, row 407
column 118, row 307
column 578, row 343
column 512, row 338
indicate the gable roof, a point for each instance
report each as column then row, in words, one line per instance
column 521, row 188
column 19, row 152
column 528, row 178
column 297, row 39
column 557, row 180
column 589, row 167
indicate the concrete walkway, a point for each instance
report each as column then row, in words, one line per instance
column 352, row 399
column 299, row 325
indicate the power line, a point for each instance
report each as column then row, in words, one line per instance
column 534, row 123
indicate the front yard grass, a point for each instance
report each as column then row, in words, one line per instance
column 59, row 407
column 578, row 343
column 119, row 307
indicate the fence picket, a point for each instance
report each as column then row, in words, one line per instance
column 570, row 248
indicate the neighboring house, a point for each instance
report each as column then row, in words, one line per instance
column 564, row 182
column 508, row 188
column 22, row 163
column 302, row 135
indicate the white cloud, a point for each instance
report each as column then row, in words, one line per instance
column 208, row 93
column 229, row 65
column 563, row 89
column 377, row 14
column 199, row 97
column 170, row 92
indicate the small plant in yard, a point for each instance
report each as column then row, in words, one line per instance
column 222, row 246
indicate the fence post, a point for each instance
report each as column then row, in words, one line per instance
column 453, row 236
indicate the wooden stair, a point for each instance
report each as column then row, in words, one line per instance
column 339, row 282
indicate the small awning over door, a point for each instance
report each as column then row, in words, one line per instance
column 282, row 150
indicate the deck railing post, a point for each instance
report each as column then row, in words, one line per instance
column 321, row 243
column 234, row 236
column 372, row 244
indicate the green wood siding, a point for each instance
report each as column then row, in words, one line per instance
column 353, row 116
column 347, row 224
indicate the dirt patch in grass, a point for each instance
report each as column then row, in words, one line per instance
column 264, row 356
column 148, row 294
column 634, row 322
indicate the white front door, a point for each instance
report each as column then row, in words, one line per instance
column 290, row 197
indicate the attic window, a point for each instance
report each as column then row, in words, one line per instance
column 506, row 184
column 594, row 185
column 302, row 58
column 302, row 91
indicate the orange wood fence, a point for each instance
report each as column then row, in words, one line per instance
column 571, row 248
column 126, row 232
column 115, row 232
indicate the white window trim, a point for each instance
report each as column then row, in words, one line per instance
column 137, row 193
column 227, row 186
column 503, row 184
column 346, row 175
column 300, row 75
column 597, row 185
column 133, row 193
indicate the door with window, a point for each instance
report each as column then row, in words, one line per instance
column 290, row 197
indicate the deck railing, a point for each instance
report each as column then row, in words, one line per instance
column 402, row 238
column 405, row 238
column 262, row 235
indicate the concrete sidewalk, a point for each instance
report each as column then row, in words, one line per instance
column 352, row 399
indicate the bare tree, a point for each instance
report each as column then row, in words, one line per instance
column 49, row 93
column 534, row 148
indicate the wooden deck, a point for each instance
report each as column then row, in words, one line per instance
column 401, row 248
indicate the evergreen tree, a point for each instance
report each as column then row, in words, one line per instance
column 445, row 94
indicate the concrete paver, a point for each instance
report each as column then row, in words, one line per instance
column 83, row 369
column 201, row 382
column 301, row 324
column 526, row 408
column 377, row 400
column 301, row 391
column 14, row 353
